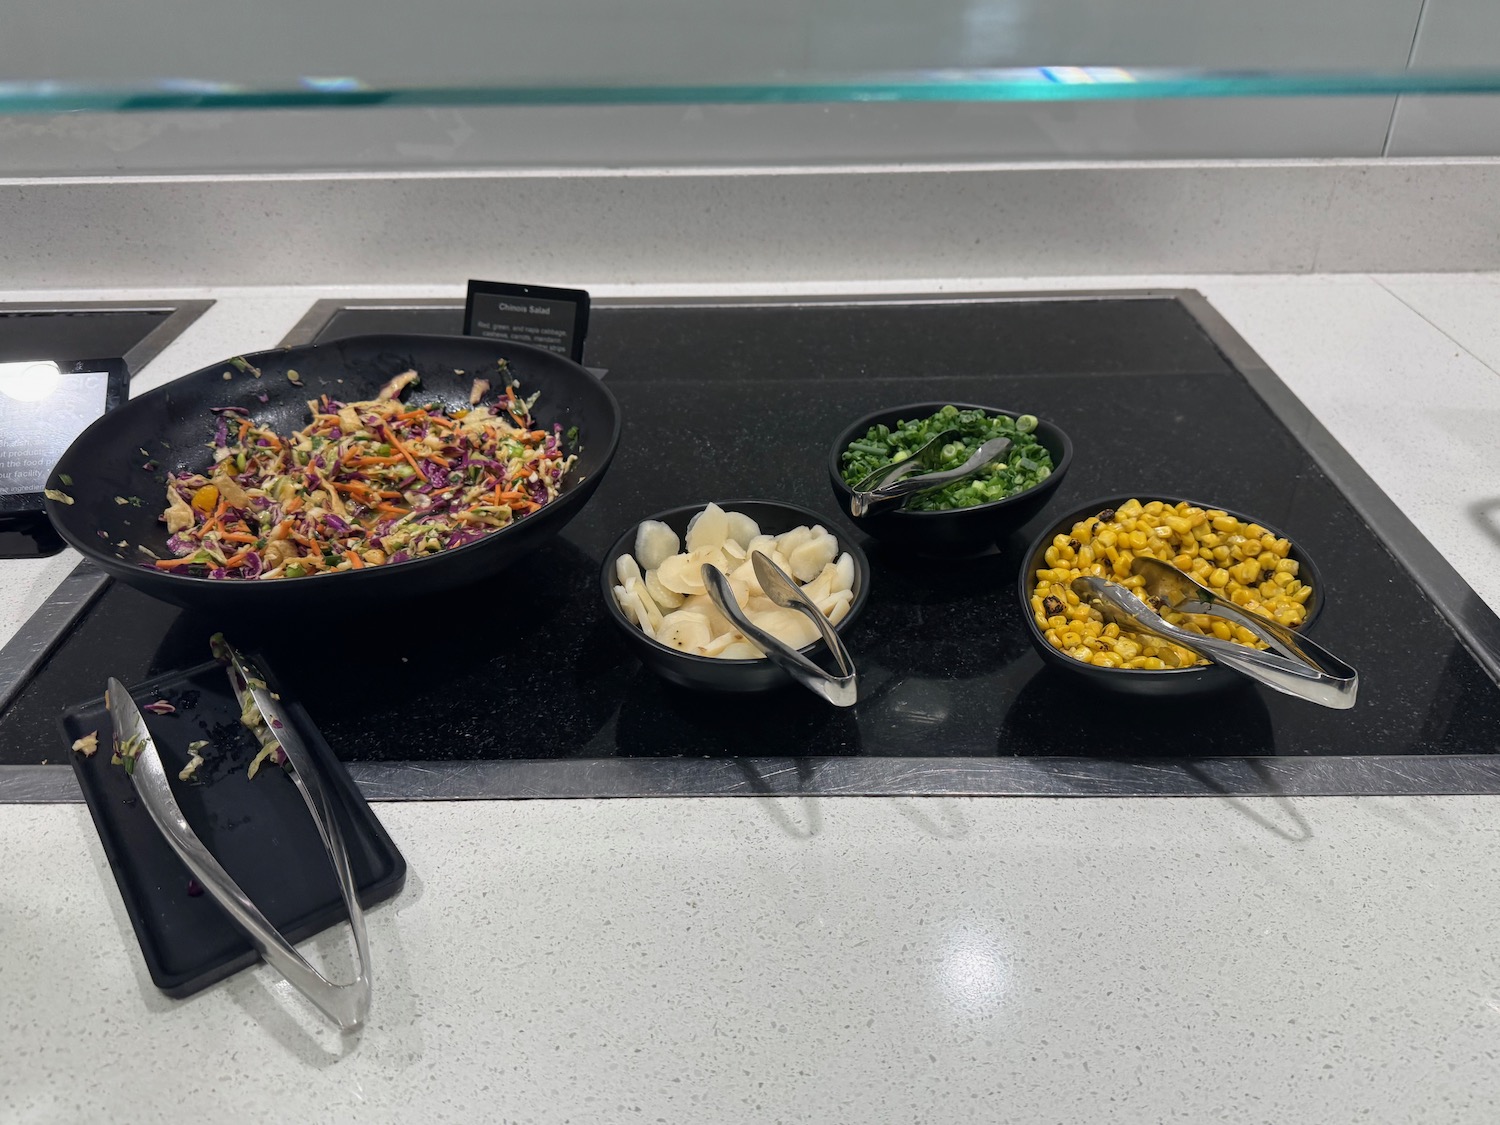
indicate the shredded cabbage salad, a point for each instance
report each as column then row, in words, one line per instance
column 365, row 483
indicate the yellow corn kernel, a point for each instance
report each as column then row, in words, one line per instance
column 1302, row 595
column 1085, row 557
column 1269, row 590
column 1247, row 573
column 1155, row 663
column 1254, row 530
column 1092, row 629
column 1106, row 537
column 1288, row 566
column 1226, row 523
column 1053, row 638
column 1183, row 562
column 1106, row 660
column 1057, row 621
column 1129, row 510
column 1111, row 630
column 1244, row 635
column 1219, row 578
column 1222, row 630
column 1139, row 539
column 1221, row 555
column 1112, row 554
column 1127, row 648
column 1282, row 578
column 1266, row 560
column 1060, row 540
column 1071, row 639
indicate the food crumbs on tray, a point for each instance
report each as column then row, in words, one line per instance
column 121, row 500
column 245, row 365
column 87, row 744
column 160, row 707
column 190, row 771
column 228, row 375
column 294, row 379
column 54, row 494
column 194, row 888
column 67, row 480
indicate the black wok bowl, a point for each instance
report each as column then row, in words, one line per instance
column 174, row 426
column 960, row 531
column 1146, row 681
column 711, row 673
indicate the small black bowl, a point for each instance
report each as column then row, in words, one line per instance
column 1145, row 681
column 710, row 673
column 962, row 531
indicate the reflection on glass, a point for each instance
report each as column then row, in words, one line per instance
column 42, row 410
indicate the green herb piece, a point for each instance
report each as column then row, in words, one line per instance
column 67, row 480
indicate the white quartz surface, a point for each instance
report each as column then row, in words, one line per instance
column 858, row 959
column 821, row 961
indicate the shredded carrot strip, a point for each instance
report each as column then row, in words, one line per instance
column 354, row 558
column 396, row 442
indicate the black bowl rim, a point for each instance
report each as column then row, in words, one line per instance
column 90, row 550
column 1038, row 544
column 608, row 580
column 842, row 443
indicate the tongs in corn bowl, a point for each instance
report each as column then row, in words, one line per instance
column 842, row 690
column 345, row 1004
column 1330, row 683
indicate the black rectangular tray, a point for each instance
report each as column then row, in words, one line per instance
column 260, row 830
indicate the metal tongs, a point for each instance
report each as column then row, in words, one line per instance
column 1328, row 683
column 345, row 1004
column 892, row 485
column 841, row 690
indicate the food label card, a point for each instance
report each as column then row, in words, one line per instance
column 554, row 319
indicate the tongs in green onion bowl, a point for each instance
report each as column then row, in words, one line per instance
column 892, row 485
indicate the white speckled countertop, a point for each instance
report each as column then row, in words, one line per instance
column 858, row 959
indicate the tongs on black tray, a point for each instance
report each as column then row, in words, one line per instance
column 345, row 1004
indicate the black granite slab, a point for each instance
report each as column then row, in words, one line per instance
column 725, row 401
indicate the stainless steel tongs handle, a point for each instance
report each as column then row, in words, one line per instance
column 1335, row 685
column 893, row 485
column 841, row 690
column 345, row 1004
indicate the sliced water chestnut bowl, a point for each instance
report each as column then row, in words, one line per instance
column 959, row 531
column 1147, row 681
column 712, row 673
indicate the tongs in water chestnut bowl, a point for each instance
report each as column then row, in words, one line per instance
column 841, row 690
